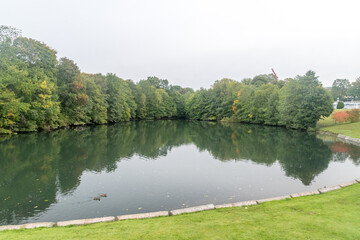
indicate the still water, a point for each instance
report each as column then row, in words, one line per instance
column 161, row 165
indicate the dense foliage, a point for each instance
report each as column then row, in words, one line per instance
column 38, row 91
column 295, row 103
column 340, row 105
column 343, row 90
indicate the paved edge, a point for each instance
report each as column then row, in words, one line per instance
column 273, row 199
column 348, row 139
column 192, row 209
column 28, row 226
column 302, row 194
column 173, row 212
column 348, row 183
column 85, row 221
column 237, row 204
column 143, row 215
column 329, row 189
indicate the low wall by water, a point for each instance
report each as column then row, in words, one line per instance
column 355, row 141
column 173, row 212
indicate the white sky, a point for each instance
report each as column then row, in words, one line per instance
column 192, row 43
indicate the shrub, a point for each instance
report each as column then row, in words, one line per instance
column 340, row 116
column 340, row 105
column 354, row 115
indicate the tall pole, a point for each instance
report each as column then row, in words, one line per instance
column 274, row 74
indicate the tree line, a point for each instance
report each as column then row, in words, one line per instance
column 296, row 103
column 343, row 89
column 40, row 92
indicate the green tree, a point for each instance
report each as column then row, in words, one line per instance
column 262, row 106
column 340, row 105
column 223, row 94
column 180, row 96
column 72, row 94
column 97, row 105
column 261, row 79
column 303, row 102
column 155, row 99
column 340, row 88
column 27, row 73
column 197, row 105
column 355, row 89
column 241, row 106
column 121, row 104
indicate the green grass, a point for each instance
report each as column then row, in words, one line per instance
column 328, row 121
column 348, row 129
column 334, row 215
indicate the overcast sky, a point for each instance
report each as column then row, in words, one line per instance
column 192, row 43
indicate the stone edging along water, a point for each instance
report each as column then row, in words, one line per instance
column 172, row 212
column 190, row 209
column 355, row 141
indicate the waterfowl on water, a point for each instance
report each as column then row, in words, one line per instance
column 97, row 198
column 103, row 195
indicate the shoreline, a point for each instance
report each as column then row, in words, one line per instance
column 79, row 222
column 341, row 137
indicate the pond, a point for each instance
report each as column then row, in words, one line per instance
column 161, row 165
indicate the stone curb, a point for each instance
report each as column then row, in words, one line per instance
column 331, row 134
column 28, row 226
column 348, row 183
column 348, row 139
column 143, row 215
column 37, row 225
column 236, row 204
column 342, row 137
column 273, row 199
column 192, row 209
column 328, row 189
column 85, row 221
column 11, row 227
column 173, row 212
column 302, row 194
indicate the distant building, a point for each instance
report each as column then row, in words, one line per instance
column 348, row 105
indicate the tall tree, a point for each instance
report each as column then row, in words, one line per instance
column 72, row 93
column 97, row 107
column 121, row 104
column 354, row 90
column 28, row 74
column 303, row 102
column 340, row 88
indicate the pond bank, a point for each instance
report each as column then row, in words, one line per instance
column 352, row 130
column 173, row 212
column 324, row 216
column 341, row 137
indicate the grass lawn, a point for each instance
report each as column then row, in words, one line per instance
column 333, row 215
column 348, row 129
column 328, row 121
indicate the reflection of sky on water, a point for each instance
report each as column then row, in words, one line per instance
column 150, row 166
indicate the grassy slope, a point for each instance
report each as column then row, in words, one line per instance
column 328, row 121
column 347, row 129
column 334, row 215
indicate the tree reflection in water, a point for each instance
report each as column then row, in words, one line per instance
column 34, row 167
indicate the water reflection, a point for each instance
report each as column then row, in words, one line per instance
column 36, row 167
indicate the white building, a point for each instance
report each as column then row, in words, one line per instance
column 348, row 105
